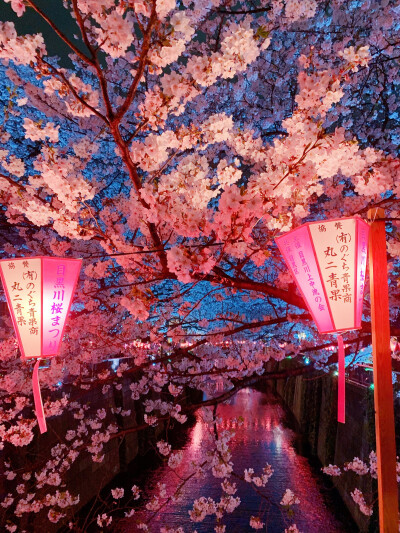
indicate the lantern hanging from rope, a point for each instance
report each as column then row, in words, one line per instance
column 328, row 259
column 39, row 293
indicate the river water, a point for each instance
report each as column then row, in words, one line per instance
column 264, row 437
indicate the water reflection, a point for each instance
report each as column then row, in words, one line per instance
column 262, row 438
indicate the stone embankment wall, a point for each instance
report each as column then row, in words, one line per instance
column 85, row 477
column 313, row 402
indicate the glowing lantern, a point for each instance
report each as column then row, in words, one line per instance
column 328, row 260
column 39, row 293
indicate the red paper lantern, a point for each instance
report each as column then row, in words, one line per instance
column 328, row 259
column 39, row 293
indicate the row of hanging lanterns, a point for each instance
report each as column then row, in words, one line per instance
column 326, row 258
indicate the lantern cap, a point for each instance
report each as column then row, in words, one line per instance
column 324, row 220
column 49, row 257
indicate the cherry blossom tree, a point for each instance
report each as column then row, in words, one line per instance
column 168, row 150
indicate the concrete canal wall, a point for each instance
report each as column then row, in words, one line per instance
column 85, row 477
column 313, row 403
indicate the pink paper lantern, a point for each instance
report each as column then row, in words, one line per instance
column 39, row 293
column 328, row 259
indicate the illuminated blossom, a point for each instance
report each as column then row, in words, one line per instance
column 289, row 498
column 117, row 493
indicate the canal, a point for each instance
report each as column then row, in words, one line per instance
column 264, row 435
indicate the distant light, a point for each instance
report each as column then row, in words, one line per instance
column 306, row 361
column 59, row 384
column 336, row 373
column 289, row 357
column 372, row 386
column 114, row 364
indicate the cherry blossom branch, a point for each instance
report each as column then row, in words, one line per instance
column 248, row 382
column 72, row 90
column 264, row 288
column 125, row 155
column 95, row 63
column 293, row 166
column 142, row 63
column 176, row 492
column 71, row 45
column 245, row 11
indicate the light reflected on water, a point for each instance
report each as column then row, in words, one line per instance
column 262, row 438
column 197, row 436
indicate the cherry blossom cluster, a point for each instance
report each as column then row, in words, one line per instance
column 259, row 481
column 358, row 497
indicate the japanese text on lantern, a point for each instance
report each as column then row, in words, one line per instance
column 297, row 249
column 58, row 287
column 22, row 281
column 334, row 243
column 57, row 307
column 308, row 275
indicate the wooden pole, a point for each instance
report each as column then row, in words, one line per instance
column 383, row 389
